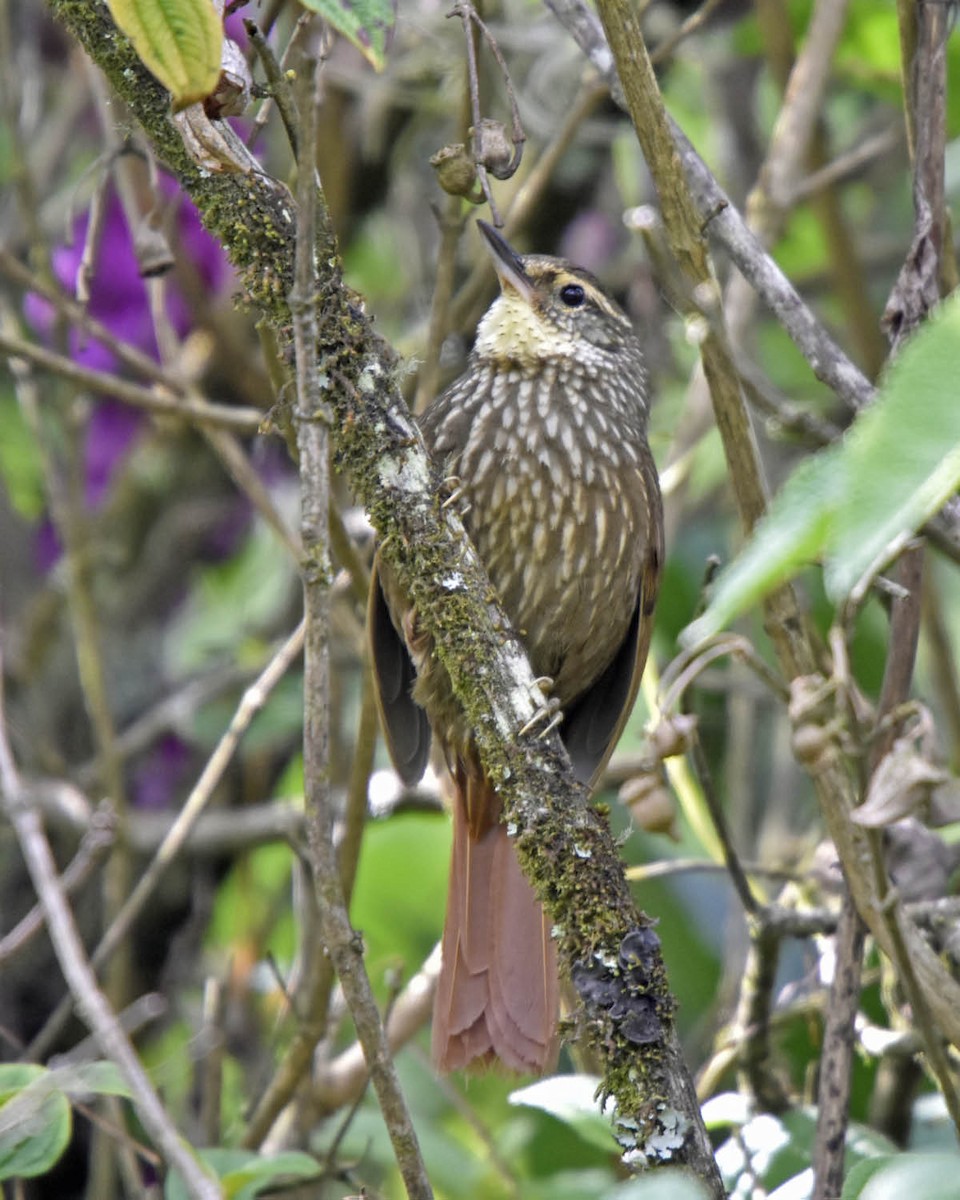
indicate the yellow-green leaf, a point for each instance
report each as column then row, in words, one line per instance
column 856, row 504
column 179, row 42
column 366, row 23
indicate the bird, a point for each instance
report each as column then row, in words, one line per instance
column 544, row 437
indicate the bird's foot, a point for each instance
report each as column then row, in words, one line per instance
column 455, row 490
column 548, row 713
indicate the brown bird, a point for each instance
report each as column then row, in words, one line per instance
column 545, row 433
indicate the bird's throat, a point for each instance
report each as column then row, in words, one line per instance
column 513, row 331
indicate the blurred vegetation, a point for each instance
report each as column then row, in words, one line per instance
column 144, row 586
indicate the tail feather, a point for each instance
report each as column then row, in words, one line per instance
column 497, row 996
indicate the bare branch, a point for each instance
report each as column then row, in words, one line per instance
column 312, row 422
column 91, row 1002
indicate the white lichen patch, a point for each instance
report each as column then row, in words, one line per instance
column 410, row 474
column 367, row 381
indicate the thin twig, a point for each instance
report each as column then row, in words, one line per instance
column 280, row 90
column 470, row 18
column 943, row 663
column 250, row 704
column 751, row 1026
column 845, row 166
column 97, row 839
column 451, row 224
column 312, row 421
column 174, row 711
column 314, row 990
column 789, row 630
column 466, row 14
column 264, row 28
column 696, row 20
column 689, row 664
column 731, row 859
column 358, row 787
column 91, row 1002
column 833, row 1090
column 473, row 294
column 723, row 223
column 341, row 1080
column 241, row 420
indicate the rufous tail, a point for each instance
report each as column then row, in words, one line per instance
column 498, row 992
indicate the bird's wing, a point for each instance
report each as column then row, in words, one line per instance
column 592, row 724
column 404, row 723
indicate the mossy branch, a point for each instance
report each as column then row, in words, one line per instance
column 785, row 622
column 564, row 845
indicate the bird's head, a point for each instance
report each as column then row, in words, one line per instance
column 547, row 309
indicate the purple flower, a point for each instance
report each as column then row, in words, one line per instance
column 160, row 774
column 118, row 295
column 118, row 299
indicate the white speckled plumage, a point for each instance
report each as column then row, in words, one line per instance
column 559, row 488
column 546, row 434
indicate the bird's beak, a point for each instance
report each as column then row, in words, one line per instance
column 507, row 263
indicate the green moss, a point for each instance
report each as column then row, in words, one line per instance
column 556, row 831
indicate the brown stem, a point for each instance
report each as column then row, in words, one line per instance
column 312, row 424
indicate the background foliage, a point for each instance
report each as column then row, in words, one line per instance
column 147, row 579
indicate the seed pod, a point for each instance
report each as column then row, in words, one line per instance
column 456, row 171
column 673, row 735
column 651, row 804
column 232, row 94
column 495, row 150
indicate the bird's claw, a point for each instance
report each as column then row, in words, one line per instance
column 454, row 496
column 549, row 712
column 453, row 486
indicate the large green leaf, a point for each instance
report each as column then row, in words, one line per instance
column 35, row 1115
column 179, row 42
column 665, row 1184
column 573, row 1100
column 902, row 457
column 244, row 1174
column 100, row 1078
column 35, row 1121
column 366, row 23
column 857, row 503
column 925, row 1176
column 793, row 533
column 21, row 471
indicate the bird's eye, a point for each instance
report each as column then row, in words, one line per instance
column 572, row 294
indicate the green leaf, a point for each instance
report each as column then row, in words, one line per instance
column 21, row 472
column 244, row 1174
column 571, row 1099
column 366, row 23
column 35, row 1121
column 930, row 1176
column 258, row 1173
column 179, row 42
column 857, row 503
column 790, row 536
column 14, row 1077
column 399, row 921
column 902, row 456
column 666, row 1184
column 101, row 1078
column 232, row 602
